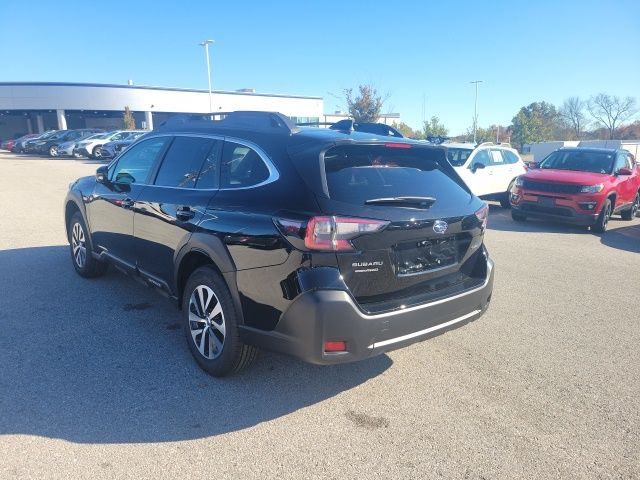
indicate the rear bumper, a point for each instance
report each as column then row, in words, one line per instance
column 332, row 315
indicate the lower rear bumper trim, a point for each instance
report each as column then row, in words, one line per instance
column 409, row 336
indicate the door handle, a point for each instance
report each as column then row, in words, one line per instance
column 184, row 213
column 127, row 203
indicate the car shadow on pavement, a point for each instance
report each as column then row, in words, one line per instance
column 500, row 219
column 625, row 238
column 105, row 361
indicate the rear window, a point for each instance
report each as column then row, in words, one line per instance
column 357, row 173
column 458, row 156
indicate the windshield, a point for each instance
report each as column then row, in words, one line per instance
column 360, row 173
column 458, row 156
column 579, row 160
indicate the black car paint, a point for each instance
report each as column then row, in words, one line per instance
column 139, row 228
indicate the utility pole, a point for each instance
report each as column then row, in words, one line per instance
column 206, row 44
column 475, row 110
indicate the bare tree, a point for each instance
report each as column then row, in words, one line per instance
column 573, row 115
column 610, row 111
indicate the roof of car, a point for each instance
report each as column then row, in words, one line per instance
column 592, row 149
column 468, row 145
column 271, row 127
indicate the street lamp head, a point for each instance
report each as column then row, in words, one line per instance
column 206, row 42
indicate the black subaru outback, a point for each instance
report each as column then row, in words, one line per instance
column 329, row 245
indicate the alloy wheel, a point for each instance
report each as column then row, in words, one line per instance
column 635, row 206
column 206, row 322
column 79, row 245
column 53, row 151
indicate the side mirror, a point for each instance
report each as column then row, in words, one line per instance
column 533, row 165
column 101, row 174
column 477, row 166
column 625, row 171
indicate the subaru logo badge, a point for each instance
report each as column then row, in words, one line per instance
column 440, row 226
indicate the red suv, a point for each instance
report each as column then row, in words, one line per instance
column 583, row 186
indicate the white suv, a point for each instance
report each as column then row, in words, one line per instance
column 488, row 169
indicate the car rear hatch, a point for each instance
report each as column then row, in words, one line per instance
column 409, row 222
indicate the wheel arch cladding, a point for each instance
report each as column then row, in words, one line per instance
column 71, row 207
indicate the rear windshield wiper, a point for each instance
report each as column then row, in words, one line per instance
column 415, row 202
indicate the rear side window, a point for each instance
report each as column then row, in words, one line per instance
column 183, row 161
column 357, row 173
column 509, row 157
column 241, row 167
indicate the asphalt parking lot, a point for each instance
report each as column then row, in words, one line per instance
column 96, row 379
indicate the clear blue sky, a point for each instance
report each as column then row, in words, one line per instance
column 524, row 51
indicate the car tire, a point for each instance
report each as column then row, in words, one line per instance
column 631, row 213
column 603, row 218
column 210, row 324
column 53, row 151
column 95, row 153
column 518, row 217
column 81, row 249
column 504, row 199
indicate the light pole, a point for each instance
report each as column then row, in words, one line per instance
column 475, row 111
column 206, row 44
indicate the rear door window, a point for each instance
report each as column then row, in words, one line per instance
column 183, row 161
column 496, row 158
column 357, row 173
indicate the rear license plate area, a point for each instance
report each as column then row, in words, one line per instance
column 426, row 255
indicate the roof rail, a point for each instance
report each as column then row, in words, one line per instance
column 241, row 119
column 501, row 144
column 437, row 139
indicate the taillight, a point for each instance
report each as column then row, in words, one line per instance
column 483, row 215
column 336, row 233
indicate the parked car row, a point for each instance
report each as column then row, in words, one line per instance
column 87, row 142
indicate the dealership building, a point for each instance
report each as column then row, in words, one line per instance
column 33, row 107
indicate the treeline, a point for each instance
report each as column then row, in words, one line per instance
column 601, row 116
